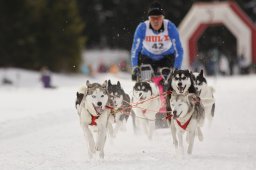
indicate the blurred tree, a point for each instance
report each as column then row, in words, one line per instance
column 60, row 36
column 89, row 12
column 17, row 46
column 38, row 33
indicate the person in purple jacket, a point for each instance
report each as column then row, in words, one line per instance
column 46, row 78
column 156, row 42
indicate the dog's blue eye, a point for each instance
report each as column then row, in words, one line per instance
column 93, row 96
column 179, row 104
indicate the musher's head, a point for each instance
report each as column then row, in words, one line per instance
column 156, row 15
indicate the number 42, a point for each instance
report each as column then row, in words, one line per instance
column 158, row 45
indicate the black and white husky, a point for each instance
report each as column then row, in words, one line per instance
column 91, row 104
column 146, row 106
column 181, row 82
column 205, row 93
column 120, row 101
column 185, row 119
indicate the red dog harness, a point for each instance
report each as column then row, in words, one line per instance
column 94, row 118
column 183, row 126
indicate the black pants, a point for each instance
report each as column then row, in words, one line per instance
column 167, row 61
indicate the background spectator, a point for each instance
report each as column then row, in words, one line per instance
column 223, row 65
column 243, row 65
column 46, row 77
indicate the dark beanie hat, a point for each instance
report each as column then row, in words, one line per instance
column 155, row 9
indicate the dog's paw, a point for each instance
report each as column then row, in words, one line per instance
column 98, row 147
column 101, row 155
column 200, row 137
column 189, row 151
column 187, row 138
column 114, row 134
column 93, row 150
column 175, row 142
column 200, row 134
column 179, row 153
column 90, row 155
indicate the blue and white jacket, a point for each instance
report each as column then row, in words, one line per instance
column 155, row 44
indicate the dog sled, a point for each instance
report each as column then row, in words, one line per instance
column 160, row 78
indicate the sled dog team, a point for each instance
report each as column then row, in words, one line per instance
column 103, row 108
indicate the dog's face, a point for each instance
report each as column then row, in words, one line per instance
column 199, row 80
column 181, row 81
column 97, row 95
column 142, row 90
column 180, row 105
column 116, row 94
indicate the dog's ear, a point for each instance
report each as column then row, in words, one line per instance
column 109, row 83
column 104, row 85
column 169, row 87
column 191, row 72
column 79, row 98
column 88, row 86
column 187, row 72
column 192, row 88
column 201, row 73
column 192, row 76
column 172, row 73
column 118, row 84
column 174, row 70
column 87, row 83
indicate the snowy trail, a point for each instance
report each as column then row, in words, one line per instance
column 39, row 129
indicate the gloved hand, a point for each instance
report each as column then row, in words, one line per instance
column 135, row 73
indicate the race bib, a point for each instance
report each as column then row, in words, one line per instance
column 157, row 43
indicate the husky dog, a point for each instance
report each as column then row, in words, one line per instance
column 185, row 118
column 120, row 102
column 146, row 108
column 91, row 104
column 181, row 82
column 205, row 93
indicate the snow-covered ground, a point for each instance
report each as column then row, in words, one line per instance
column 39, row 129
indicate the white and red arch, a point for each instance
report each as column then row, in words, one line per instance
column 202, row 15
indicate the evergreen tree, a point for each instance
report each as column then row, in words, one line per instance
column 60, row 39
column 38, row 33
column 16, row 41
